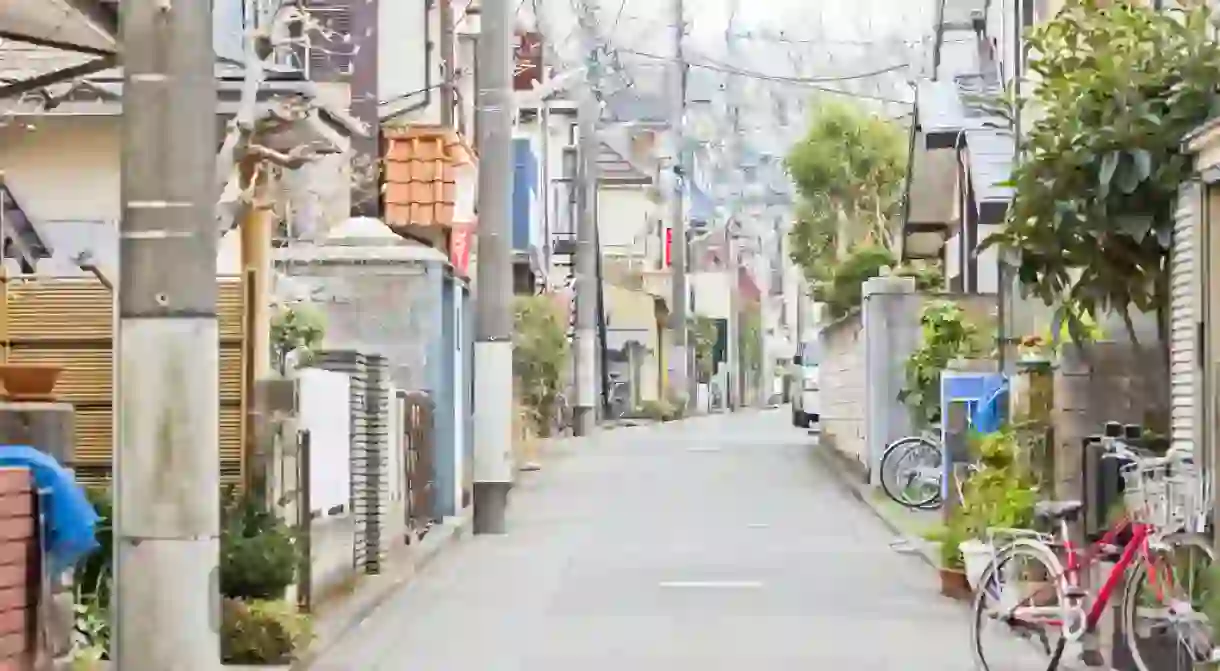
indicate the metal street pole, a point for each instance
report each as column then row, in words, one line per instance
column 584, row 348
column 166, row 459
column 681, row 382
column 493, row 349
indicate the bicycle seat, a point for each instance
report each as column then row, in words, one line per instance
column 1057, row 510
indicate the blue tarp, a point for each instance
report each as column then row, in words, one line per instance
column 988, row 415
column 70, row 520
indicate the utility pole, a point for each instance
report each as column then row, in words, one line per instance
column 683, row 382
column 585, row 340
column 733, row 344
column 166, row 463
column 736, row 379
column 493, row 348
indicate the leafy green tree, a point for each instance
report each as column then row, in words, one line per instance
column 841, row 288
column 1117, row 85
column 848, row 170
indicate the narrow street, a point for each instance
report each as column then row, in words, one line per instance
column 714, row 544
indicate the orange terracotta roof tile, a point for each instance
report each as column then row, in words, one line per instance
column 421, row 174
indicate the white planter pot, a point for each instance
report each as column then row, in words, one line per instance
column 976, row 555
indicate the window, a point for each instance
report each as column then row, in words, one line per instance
column 811, row 353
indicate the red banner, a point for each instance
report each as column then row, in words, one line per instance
column 460, row 238
column 669, row 244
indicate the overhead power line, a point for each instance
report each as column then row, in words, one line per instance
column 806, row 82
column 718, row 66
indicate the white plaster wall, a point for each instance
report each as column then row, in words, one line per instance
column 712, row 292
column 324, row 413
column 64, row 169
column 402, row 49
column 623, row 214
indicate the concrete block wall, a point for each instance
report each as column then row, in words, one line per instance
column 891, row 333
column 1110, row 381
column 842, row 381
column 864, row 360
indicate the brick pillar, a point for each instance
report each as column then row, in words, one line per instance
column 48, row 427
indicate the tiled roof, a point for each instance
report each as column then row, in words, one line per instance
column 421, row 176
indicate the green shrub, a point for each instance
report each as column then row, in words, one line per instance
column 258, row 551
column 674, row 408
column 655, row 410
column 93, row 574
column 261, row 631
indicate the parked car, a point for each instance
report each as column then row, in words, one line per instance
column 806, row 401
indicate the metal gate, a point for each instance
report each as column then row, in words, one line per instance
column 419, row 440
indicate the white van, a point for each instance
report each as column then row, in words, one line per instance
column 806, row 408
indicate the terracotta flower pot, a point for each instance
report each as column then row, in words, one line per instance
column 954, row 585
column 29, row 381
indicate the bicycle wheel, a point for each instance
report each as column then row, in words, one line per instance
column 906, row 468
column 1021, row 592
column 1165, row 605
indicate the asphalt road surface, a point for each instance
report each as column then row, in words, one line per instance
column 714, row 544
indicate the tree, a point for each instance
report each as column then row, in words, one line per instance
column 703, row 338
column 1117, row 86
column 848, row 170
column 540, row 352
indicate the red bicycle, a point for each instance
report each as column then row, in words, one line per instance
column 1033, row 586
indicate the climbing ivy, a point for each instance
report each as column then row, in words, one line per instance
column 296, row 328
column 946, row 333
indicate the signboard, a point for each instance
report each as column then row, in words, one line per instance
column 527, row 60
column 460, row 240
column 669, row 244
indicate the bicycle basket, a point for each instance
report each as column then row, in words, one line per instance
column 1162, row 494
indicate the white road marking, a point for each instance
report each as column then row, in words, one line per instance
column 703, row 449
column 758, row 525
column 712, row 584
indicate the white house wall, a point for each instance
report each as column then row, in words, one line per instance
column 711, row 293
column 64, row 169
column 623, row 215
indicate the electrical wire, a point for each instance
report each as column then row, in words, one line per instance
column 719, row 66
column 618, row 17
column 809, row 83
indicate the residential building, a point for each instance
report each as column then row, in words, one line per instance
column 411, row 71
column 60, row 154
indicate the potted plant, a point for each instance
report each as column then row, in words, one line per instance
column 953, row 583
column 999, row 494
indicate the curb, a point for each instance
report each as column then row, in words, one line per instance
column 835, row 464
column 375, row 590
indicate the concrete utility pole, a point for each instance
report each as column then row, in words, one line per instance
column 585, row 342
column 166, row 464
column 733, row 344
column 493, row 349
column 736, row 379
column 682, row 382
